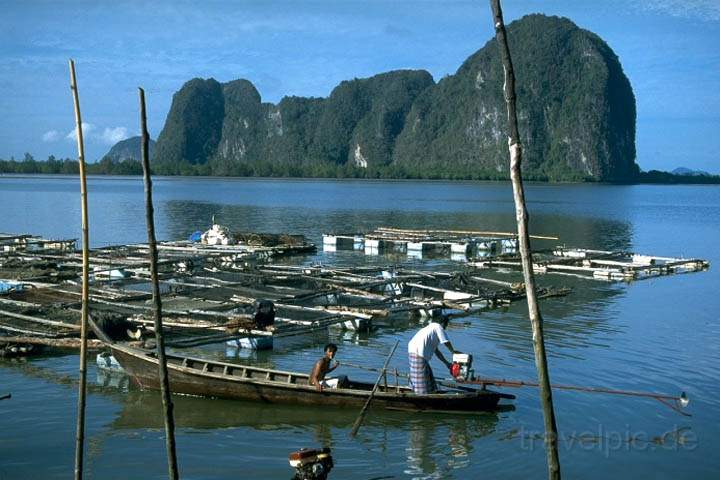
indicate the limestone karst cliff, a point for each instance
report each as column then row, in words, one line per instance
column 576, row 111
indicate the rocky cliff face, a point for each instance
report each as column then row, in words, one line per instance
column 193, row 127
column 128, row 149
column 576, row 108
column 576, row 113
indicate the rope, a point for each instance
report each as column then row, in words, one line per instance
column 371, row 369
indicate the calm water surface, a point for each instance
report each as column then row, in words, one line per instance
column 660, row 335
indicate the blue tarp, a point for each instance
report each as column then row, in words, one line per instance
column 195, row 236
column 7, row 287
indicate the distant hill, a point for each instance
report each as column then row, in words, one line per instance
column 688, row 171
column 576, row 110
column 128, row 149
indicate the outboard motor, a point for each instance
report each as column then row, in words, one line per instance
column 461, row 368
column 311, row 464
column 264, row 314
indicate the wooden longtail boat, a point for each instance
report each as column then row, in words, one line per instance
column 209, row 378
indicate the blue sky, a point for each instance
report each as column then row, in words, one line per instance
column 670, row 50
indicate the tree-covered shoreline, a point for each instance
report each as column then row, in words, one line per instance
column 67, row 166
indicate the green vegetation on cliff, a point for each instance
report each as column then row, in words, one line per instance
column 576, row 110
column 192, row 129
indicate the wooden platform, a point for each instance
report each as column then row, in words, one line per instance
column 416, row 243
column 601, row 265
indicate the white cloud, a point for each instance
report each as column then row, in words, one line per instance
column 87, row 128
column 51, row 136
column 113, row 135
column 92, row 134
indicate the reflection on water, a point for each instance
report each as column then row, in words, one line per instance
column 434, row 444
column 182, row 217
column 46, row 369
column 112, row 379
column 571, row 324
column 432, row 450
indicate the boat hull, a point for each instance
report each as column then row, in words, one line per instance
column 222, row 380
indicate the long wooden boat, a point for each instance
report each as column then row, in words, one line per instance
column 195, row 376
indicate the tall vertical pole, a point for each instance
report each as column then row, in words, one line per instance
column 157, row 303
column 551, row 436
column 80, row 431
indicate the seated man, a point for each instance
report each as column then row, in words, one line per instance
column 322, row 367
column 421, row 349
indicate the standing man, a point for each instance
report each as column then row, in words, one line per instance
column 421, row 349
column 322, row 367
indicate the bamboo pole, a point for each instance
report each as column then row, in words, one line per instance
column 41, row 321
column 69, row 343
column 361, row 417
column 80, row 431
column 25, row 331
column 551, row 436
column 159, row 340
